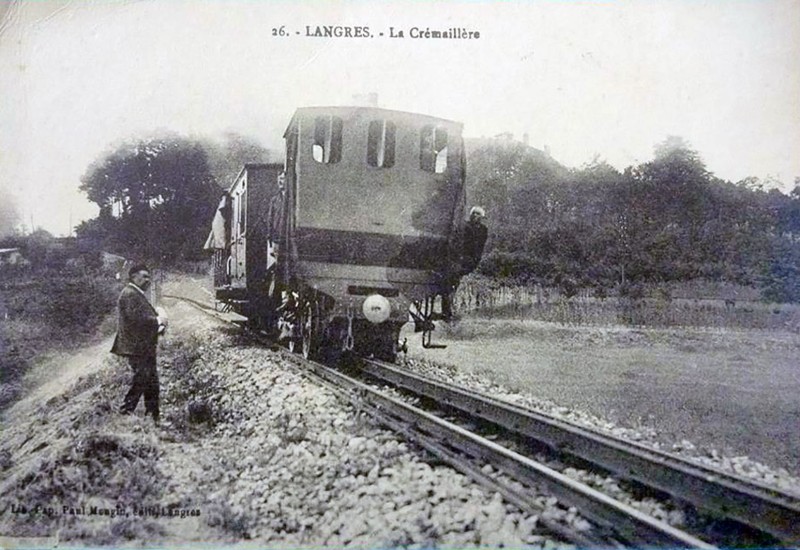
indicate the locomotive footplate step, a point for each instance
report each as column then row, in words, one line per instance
column 231, row 317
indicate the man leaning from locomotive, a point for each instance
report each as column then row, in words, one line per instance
column 139, row 325
column 468, row 257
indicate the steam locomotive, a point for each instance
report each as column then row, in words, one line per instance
column 355, row 235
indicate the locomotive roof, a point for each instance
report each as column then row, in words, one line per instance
column 250, row 166
column 346, row 112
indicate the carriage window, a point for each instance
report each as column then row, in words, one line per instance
column 243, row 211
column 235, row 218
column 433, row 149
column 380, row 145
column 327, row 147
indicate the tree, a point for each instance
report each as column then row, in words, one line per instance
column 156, row 197
column 781, row 282
column 673, row 193
column 789, row 212
column 226, row 158
column 36, row 246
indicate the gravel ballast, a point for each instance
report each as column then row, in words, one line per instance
column 739, row 465
column 291, row 462
column 268, row 454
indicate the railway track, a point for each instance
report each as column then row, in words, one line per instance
column 708, row 489
column 614, row 523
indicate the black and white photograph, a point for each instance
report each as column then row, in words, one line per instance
column 399, row 274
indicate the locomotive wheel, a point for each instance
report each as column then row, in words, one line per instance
column 386, row 348
column 379, row 342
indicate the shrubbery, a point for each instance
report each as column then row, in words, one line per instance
column 667, row 220
column 695, row 304
column 45, row 310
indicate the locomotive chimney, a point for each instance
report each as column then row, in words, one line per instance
column 366, row 100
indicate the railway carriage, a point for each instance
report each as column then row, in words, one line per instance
column 357, row 233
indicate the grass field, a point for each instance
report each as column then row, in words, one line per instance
column 734, row 390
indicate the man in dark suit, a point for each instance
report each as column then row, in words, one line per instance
column 138, row 328
column 473, row 242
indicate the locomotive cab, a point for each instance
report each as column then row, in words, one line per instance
column 376, row 198
column 372, row 206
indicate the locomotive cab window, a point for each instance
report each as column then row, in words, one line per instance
column 380, row 144
column 327, row 147
column 433, row 149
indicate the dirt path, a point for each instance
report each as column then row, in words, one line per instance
column 64, row 444
column 56, row 373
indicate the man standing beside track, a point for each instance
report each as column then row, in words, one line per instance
column 139, row 325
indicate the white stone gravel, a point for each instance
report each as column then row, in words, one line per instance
column 779, row 478
column 740, row 465
column 289, row 462
column 329, row 477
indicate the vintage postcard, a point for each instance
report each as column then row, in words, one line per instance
column 399, row 274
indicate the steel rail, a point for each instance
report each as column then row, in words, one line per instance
column 510, row 494
column 457, row 461
column 764, row 508
column 406, row 430
column 610, row 515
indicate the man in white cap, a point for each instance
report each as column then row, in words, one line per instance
column 475, row 234
column 472, row 245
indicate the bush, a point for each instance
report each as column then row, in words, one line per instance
column 633, row 304
column 48, row 310
column 781, row 281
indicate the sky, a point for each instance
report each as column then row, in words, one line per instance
column 582, row 79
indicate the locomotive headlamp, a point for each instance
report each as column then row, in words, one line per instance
column 376, row 308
